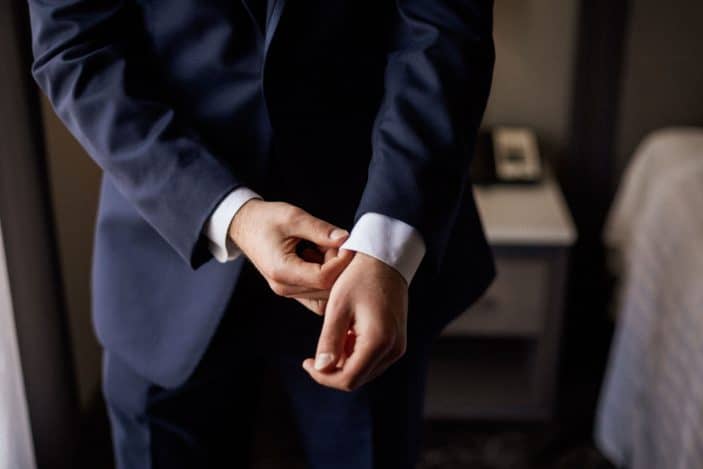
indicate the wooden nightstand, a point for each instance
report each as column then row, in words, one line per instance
column 498, row 360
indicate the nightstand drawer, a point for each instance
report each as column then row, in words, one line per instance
column 515, row 305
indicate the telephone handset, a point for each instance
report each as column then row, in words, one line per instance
column 506, row 155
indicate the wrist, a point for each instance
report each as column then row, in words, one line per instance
column 242, row 219
column 372, row 264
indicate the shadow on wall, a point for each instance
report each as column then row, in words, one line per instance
column 663, row 64
column 75, row 180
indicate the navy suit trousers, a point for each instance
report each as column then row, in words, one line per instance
column 208, row 421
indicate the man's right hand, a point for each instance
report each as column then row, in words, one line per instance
column 268, row 233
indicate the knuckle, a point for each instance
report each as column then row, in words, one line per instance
column 403, row 348
column 276, row 273
column 319, row 306
column 382, row 339
column 292, row 214
column 282, row 206
column 278, row 288
column 347, row 385
column 398, row 351
column 387, row 344
column 325, row 279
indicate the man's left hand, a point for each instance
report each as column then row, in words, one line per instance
column 365, row 325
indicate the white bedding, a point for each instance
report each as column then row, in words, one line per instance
column 651, row 410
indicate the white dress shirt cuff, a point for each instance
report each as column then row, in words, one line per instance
column 391, row 241
column 217, row 228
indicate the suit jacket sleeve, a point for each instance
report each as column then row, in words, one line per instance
column 90, row 61
column 437, row 82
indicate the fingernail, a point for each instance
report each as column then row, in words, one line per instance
column 322, row 360
column 338, row 234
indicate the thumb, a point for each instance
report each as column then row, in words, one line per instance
column 330, row 346
column 318, row 231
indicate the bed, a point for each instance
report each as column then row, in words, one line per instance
column 650, row 414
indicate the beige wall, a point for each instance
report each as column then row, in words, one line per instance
column 663, row 70
column 74, row 180
column 535, row 45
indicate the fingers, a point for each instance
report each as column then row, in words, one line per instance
column 356, row 367
column 348, row 348
column 393, row 354
column 316, row 305
column 333, row 338
column 316, row 300
column 372, row 352
column 295, row 291
column 309, row 259
column 363, row 358
column 305, row 226
column 294, row 275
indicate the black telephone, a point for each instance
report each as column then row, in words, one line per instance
column 506, row 155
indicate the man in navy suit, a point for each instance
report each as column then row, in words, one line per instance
column 239, row 140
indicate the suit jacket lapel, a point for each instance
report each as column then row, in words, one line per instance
column 273, row 20
column 257, row 11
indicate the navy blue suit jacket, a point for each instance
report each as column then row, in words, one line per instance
column 341, row 107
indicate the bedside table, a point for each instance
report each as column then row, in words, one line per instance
column 498, row 360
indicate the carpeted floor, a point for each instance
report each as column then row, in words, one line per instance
column 458, row 445
column 461, row 445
